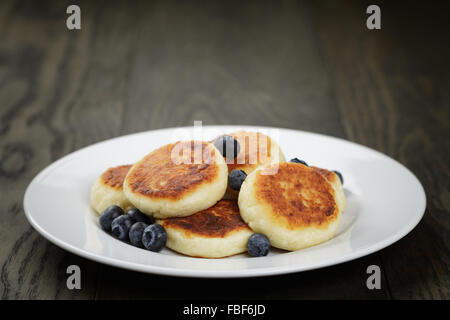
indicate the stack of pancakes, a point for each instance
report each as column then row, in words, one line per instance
column 184, row 186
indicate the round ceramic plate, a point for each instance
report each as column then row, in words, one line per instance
column 385, row 201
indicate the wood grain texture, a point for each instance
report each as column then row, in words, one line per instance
column 140, row 65
column 393, row 88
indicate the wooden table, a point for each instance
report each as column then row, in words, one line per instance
column 138, row 66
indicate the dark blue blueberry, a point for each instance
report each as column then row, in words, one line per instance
column 138, row 216
column 121, row 226
column 135, row 234
column 108, row 216
column 340, row 176
column 154, row 237
column 296, row 160
column 258, row 245
column 228, row 146
column 236, row 178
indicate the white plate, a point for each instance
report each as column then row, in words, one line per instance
column 385, row 201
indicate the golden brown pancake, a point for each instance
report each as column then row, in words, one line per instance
column 175, row 181
column 297, row 197
column 215, row 232
column 256, row 149
column 296, row 207
column 156, row 176
column 214, row 222
column 108, row 191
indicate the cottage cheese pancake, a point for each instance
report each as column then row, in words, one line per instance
column 216, row 232
column 295, row 208
column 256, row 149
column 177, row 179
column 107, row 189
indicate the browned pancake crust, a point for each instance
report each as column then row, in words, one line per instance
column 157, row 176
column 113, row 177
column 298, row 196
column 256, row 151
column 329, row 175
column 214, row 222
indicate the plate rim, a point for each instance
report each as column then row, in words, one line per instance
column 232, row 273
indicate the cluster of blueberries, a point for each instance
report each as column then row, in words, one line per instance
column 140, row 230
column 134, row 227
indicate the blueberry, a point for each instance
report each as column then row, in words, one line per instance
column 154, row 237
column 121, row 226
column 340, row 176
column 108, row 215
column 135, row 234
column 236, row 178
column 258, row 245
column 228, row 146
column 138, row 216
column 296, row 160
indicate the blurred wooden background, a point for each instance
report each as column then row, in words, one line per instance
column 309, row 65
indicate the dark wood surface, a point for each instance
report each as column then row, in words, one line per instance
column 138, row 66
